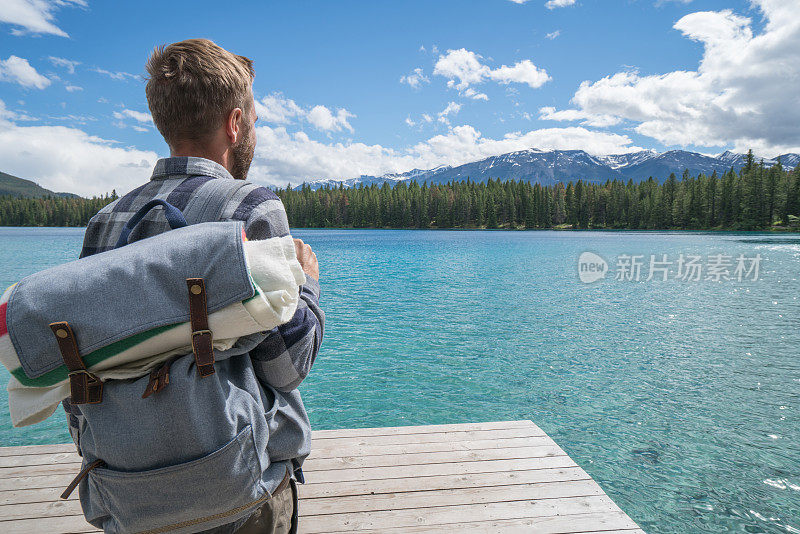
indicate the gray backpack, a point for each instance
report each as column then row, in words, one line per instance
column 183, row 448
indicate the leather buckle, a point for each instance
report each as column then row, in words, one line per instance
column 85, row 387
column 202, row 340
column 159, row 378
column 203, row 348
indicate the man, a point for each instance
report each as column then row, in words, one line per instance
column 201, row 100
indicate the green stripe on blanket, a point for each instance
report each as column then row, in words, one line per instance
column 61, row 373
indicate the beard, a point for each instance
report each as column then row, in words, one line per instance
column 242, row 155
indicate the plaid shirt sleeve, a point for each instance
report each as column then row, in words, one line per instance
column 285, row 357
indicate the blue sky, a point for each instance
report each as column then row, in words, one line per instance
column 345, row 88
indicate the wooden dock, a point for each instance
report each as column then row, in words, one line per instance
column 480, row 477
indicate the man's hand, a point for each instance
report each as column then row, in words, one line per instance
column 307, row 259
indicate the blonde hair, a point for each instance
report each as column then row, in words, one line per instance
column 193, row 85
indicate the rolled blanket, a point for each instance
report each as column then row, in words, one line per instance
column 253, row 287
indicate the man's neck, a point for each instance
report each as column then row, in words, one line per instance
column 194, row 151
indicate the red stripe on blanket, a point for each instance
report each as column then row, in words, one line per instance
column 3, row 327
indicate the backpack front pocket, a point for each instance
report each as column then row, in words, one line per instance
column 212, row 490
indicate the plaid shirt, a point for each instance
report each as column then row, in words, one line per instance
column 285, row 357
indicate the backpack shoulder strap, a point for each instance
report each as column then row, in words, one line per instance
column 209, row 201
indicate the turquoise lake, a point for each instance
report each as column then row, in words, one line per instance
column 680, row 397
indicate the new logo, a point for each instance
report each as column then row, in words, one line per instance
column 591, row 267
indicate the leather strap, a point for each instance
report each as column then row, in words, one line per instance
column 159, row 378
column 79, row 477
column 85, row 388
column 202, row 340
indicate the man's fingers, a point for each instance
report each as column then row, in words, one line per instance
column 305, row 255
column 301, row 248
column 307, row 258
column 300, row 244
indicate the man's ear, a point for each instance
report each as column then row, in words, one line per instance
column 232, row 126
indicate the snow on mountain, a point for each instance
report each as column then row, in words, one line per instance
column 732, row 158
column 674, row 161
column 553, row 166
column 790, row 160
column 739, row 160
column 528, row 165
column 617, row 161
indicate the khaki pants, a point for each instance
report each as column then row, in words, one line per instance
column 276, row 516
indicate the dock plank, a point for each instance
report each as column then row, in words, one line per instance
column 20, row 495
column 438, row 515
column 60, row 480
column 422, row 429
column 504, row 476
column 72, row 464
column 604, row 523
column 326, row 451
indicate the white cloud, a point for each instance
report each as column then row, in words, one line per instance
column 115, row 75
column 518, row 1
column 443, row 116
column 463, row 68
column 552, row 4
column 35, row 16
column 142, row 121
column 18, row 70
column 138, row 116
column 461, row 64
column 9, row 115
column 68, row 159
column 522, row 72
column 283, row 157
column 415, row 79
column 550, row 113
column 68, row 64
column 323, row 119
column 463, row 144
column 277, row 109
column 73, row 88
column 744, row 91
column 451, row 109
column 469, row 92
column 74, row 119
column 552, row 35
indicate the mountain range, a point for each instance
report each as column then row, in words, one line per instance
column 548, row 167
column 19, row 187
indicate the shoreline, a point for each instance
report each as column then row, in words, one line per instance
column 773, row 231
